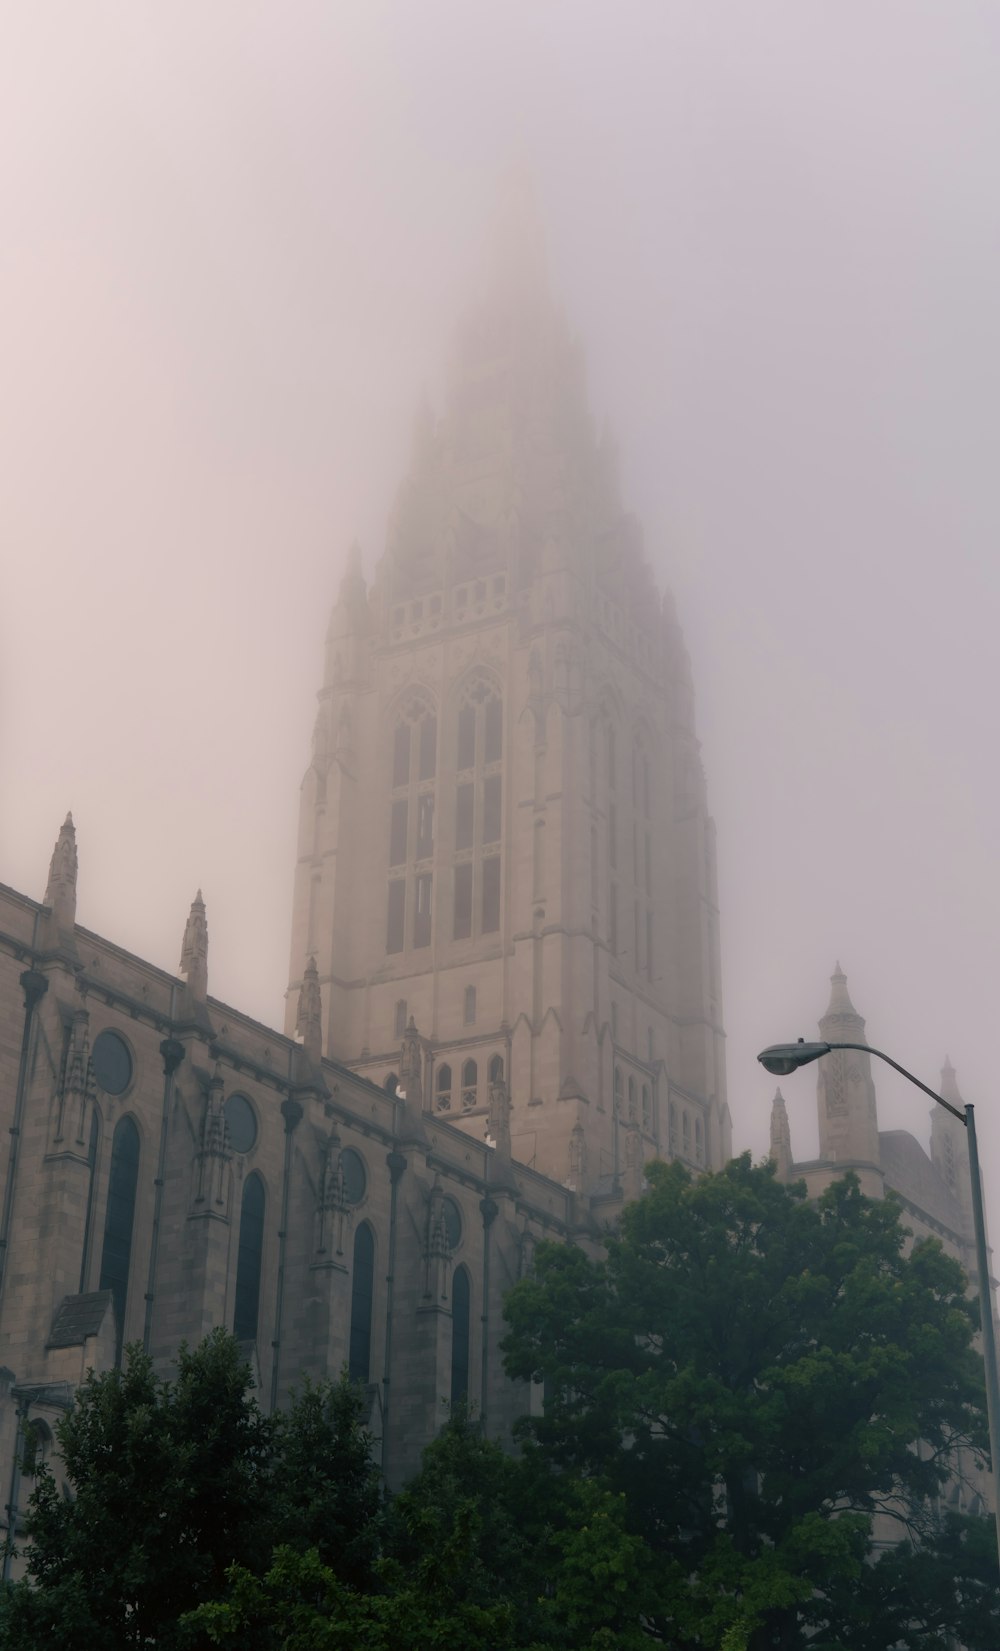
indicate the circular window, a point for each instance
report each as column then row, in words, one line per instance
column 355, row 1175
column 112, row 1062
column 241, row 1121
column 452, row 1222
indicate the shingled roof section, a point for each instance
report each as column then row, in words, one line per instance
column 78, row 1317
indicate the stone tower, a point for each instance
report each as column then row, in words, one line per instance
column 504, row 834
column 848, row 1120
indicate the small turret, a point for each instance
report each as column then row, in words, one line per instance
column 949, row 1142
column 848, row 1120
column 59, row 923
column 194, row 951
column 781, row 1138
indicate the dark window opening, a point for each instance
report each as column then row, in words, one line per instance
column 491, row 894
column 427, row 761
column 119, row 1219
column 494, row 730
column 422, row 911
column 401, row 755
column 394, row 925
column 470, row 1085
column 469, row 1011
column 460, row 1316
column 397, row 833
column 442, row 1087
column 491, row 809
column 463, row 902
column 248, row 1260
column 425, row 826
column 362, row 1297
column 464, row 815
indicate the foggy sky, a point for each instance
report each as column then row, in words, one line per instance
column 235, row 239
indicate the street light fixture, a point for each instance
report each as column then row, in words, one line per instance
column 784, row 1058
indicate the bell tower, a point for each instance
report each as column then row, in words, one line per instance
column 504, row 836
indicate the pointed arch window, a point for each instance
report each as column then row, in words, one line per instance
column 496, row 1069
column 460, row 1324
column 119, row 1219
column 442, row 1089
column 411, row 826
column 470, row 1085
column 249, row 1259
column 478, row 810
column 362, row 1298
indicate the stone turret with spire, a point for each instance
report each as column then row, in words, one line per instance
column 949, row 1142
column 58, row 931
column 848, row 1120
column 194, row 967
column 781, row 1139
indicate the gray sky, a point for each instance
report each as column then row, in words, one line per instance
column 235, row 238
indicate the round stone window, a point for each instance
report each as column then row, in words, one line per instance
column 111, row 1059
column 241, row 1121
column 452, row 1222
column 355, row 1175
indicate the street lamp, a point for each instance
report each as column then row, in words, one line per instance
column 784, row 1058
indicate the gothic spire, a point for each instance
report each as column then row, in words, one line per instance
column 194, row 951
column 60, row 890
column 781, row 1139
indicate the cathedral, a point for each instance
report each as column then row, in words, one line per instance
column 504, row 990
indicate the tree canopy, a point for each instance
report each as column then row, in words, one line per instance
column 771, row 1385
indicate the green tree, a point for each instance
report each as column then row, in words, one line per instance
column 327, row 1491
column 169, row 1488
column 759, row 1377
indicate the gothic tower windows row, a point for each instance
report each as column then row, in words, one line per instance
column 411, row 826
column 469, row 1088
column 477, row 821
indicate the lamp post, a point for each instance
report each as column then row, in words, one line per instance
column 784, row 1058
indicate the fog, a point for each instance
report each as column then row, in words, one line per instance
column 236, row 238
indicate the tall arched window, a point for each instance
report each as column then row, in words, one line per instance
column 119, row 1219
column 362, row 1295
column 470, row 1085
column 442, row 1088
column 478, row 810
column 248, row 1259
column 496, row 1069
column 460, row 1320
column 411, row 826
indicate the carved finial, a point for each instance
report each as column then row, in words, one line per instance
column 60, row 891
column 781, row 1139
column 194, row 951
column 309, row 1019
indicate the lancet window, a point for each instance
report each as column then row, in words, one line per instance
column 460, row 1324
column 249, row 1258
column 409, row 906
column 442, row 1088
column 362, row 1297
column 478, row 810
column 119, row 1219
column 470, row 1085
